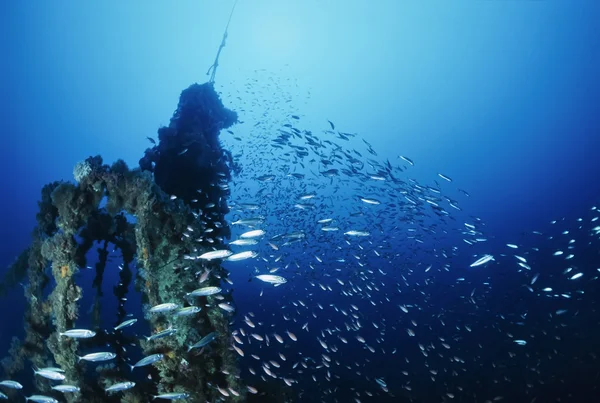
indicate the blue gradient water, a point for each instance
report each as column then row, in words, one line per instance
column 502, row 96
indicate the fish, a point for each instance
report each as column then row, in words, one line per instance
column 166, row 307
column 118, row 387
column 204, row 292
column 172, row 396
column 257, row 233
column 11, row 384
column 250, row 222
column 151, row 359
column 369, row 201
column 187, row 311
column 48, row 374
column 96, row 357
column 40, row 399
column 164, row 333
column 244, row 242
column 483, row 260
column 203, row 341
column 126, row 323
column 407, row 160
column 242, row 256
column 150, row 139
column 520, row 342
column 357, row 233
column 78, row 333
column 66, row 388
column 271, row 279
column 226, row 307
column 216, row 254
column 447, row 178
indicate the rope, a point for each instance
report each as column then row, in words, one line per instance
column 212, row 70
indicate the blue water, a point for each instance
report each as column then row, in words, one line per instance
column 501, row 96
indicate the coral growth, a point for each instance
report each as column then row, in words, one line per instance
column 188, row 162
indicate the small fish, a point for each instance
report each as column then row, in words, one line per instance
column 576, row 276
column 40, row 399
column 331, row 124
column 204, row 291
column 53, row 375
column 250, row 222
column 66, row 388
column 216, row 254
column 257, row 233
column 167, row 307
column 407, row 160
column 78, row 333
column 185, row 150
column 204, row 341
column 447, row 178
column 172, row 396
column 151, row 359
column 127, row 323
column 11, row 384
column 520, row 342
column 370, row 201
column 117, row 387
column 226, row 307
column 244, row 242
column 188, row 310
column 204, row 276
column 161, row 334
column 482, row 260
column 150, row 139
column 250, row 254
column 357, row 233
column 95, row 357
column 272, row 279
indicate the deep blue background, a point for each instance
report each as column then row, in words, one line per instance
column 502, row 96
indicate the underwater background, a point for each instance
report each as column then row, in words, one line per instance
column 442, row 132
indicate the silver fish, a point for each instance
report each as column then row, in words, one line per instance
column 66, row 388
column 40, row 399
column 216, row 254
column 172, row 396
column 204, row 291
column 244, row 242
column 127, row 323
column 117, row 387
column 482, row 260
column 204, row 341
column 249, row 254
column 11, row 384
column 188, row 310
column 272, row 279
column 357, row 233
column 78, row 333
column 151, row 359
column 53, row 375
column 257, row 233
column 161, row 334
column 95, row 357
column 169, row 306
